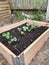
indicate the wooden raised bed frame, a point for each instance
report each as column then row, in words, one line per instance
column 26, row 56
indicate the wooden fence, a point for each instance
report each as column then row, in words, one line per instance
column 28, row 4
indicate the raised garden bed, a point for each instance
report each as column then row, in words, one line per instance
column 20, row 42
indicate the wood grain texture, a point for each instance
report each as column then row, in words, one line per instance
column 5, row 11
column 4, row 2
column 28, row 4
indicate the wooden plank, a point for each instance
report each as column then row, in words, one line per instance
column 47, row 15
column 5, row 14
column 28, row 4
column 40, row 23
column 5, row 20
column 3, row 9
column 6, row 11
column 3, row 6
column 4, row 2
column 5, row 17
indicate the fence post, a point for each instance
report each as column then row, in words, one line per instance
column 47, row 15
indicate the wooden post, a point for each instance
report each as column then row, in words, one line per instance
column 47, row 15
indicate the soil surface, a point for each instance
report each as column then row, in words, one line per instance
column 24, row 40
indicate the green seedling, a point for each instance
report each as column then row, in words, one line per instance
column 27, row 25
column 19, row 29
column 29, row 30
column 34, row 25
column 22, row 33
column 9, row 37
column 15, row 47
column 24, row 28
column 6, row 35
column 9, row 42
column 14, row 39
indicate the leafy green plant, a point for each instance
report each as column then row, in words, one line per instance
column 15, row 47
column 6, row 35
column 10, row 38
column 27, row 27
column 38, row 15
column 22, row 33
column 34, row 25
column 14, row 39
column 19, row 29
column 18, row 15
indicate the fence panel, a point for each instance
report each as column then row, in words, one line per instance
column 28, row 4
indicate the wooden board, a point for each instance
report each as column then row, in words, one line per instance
column 3, row 2
column 26, row 56
column 5, row 11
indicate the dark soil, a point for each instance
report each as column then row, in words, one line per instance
column 24, row 41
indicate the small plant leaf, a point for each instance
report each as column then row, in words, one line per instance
column 19, row 29
column 22, row 33
column 24, row 28
column 29, row 30
column 27, row 25
column 7, row 37
column 4, row 34
column 14, row 39
column 8, row 33
column 11, row 36
column 9, row 42
column 14, row 47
